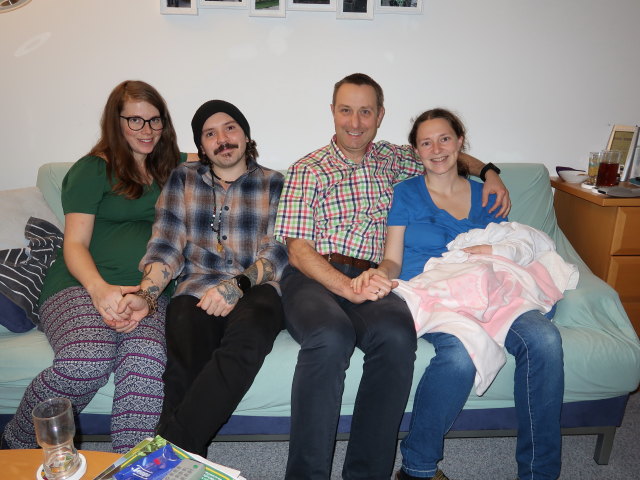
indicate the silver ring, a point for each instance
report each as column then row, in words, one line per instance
column 377, row 292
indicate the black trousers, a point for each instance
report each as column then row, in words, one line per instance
column 212, row 361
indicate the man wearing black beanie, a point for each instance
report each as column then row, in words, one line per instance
column 213, row 233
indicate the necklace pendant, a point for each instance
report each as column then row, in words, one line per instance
column 219, row 247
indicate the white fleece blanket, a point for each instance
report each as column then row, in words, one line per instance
column 477, row 297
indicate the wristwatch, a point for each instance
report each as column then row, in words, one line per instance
column 486, row 168
column 242, row 282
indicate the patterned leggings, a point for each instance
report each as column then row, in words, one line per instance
column 86, row 352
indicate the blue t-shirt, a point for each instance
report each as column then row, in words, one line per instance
column 429, row 228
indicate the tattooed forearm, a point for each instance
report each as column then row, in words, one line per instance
column 146, row 272
column 166, row 274
column 153, row 290
column 260, row 272
column 269, row 272
column 155, row 277
column 252, row 274
column 229, row 292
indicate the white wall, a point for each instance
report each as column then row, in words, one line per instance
column 535, row 80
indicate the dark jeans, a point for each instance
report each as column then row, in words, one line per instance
column 328, row 328
column 212, row 361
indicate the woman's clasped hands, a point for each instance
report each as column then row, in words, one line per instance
column 374, row 284
column 107, row 299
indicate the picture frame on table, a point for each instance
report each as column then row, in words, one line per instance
column 312, row 5
column 223, row 3
column 624, row 138
column 267, row 8
column 403, row 7
column 179, row 7
column 354, row 9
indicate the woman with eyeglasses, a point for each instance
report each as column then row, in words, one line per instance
column 108, row 198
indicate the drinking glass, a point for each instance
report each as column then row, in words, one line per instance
column 608, row 169
column 55, row 428
column 594, row 163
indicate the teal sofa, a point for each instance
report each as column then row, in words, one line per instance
column 601, row 349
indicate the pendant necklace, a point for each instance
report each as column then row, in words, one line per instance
column 219, row 246
column 228, row 182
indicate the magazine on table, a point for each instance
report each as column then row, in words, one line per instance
column 155, row 459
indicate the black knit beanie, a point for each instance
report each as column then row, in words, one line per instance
column 211, row 108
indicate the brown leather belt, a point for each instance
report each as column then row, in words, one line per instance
column 344, row 260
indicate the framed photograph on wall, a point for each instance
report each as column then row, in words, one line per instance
column 355, row 9
column 399, row 6
column 179, row 7
column 223, row 3
column 267, row 8
column 312, row 5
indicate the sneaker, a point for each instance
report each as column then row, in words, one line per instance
column 402, row 475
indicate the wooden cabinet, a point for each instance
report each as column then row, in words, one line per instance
column 605, row 231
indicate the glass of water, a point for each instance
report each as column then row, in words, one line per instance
column 594, row 162
column 55, row 429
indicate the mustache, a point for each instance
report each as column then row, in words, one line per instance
column 224, row 146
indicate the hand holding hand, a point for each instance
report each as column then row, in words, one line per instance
column 106, row 299
column 134, row 306
column 125, row 326
column 372, row 284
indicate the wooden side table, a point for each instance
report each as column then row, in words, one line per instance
column 22, row 464
column 605, row 231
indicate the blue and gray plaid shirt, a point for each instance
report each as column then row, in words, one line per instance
column 182, row 236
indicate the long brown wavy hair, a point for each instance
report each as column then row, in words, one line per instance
column 113, row 146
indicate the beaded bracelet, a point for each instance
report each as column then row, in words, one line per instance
column 152, row 302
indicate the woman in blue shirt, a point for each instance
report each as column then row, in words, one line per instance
column 427, row 213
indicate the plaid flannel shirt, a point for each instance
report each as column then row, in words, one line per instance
column 341, row 205
column 182, row 236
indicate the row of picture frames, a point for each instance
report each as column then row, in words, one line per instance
column 345, row 9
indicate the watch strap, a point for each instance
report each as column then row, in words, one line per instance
column 243, row 282
column 486, row 168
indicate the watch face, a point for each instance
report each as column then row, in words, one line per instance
column 243, row 282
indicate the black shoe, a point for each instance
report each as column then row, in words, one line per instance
column 3, row 443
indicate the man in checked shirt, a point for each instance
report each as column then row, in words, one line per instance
column 332, row 216
column 213, row 231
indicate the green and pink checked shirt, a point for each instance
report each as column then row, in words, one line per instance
column 341, row 205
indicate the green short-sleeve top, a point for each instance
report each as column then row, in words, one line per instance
column 122, row 227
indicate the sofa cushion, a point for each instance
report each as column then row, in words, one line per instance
column 17, row 206
column 49, row 181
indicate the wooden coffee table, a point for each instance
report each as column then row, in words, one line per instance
column 22, row 464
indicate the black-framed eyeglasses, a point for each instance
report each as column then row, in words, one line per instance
column 137, row 123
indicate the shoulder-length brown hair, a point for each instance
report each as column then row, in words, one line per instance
column 113, row 146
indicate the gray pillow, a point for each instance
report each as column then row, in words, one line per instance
column 17, row 206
